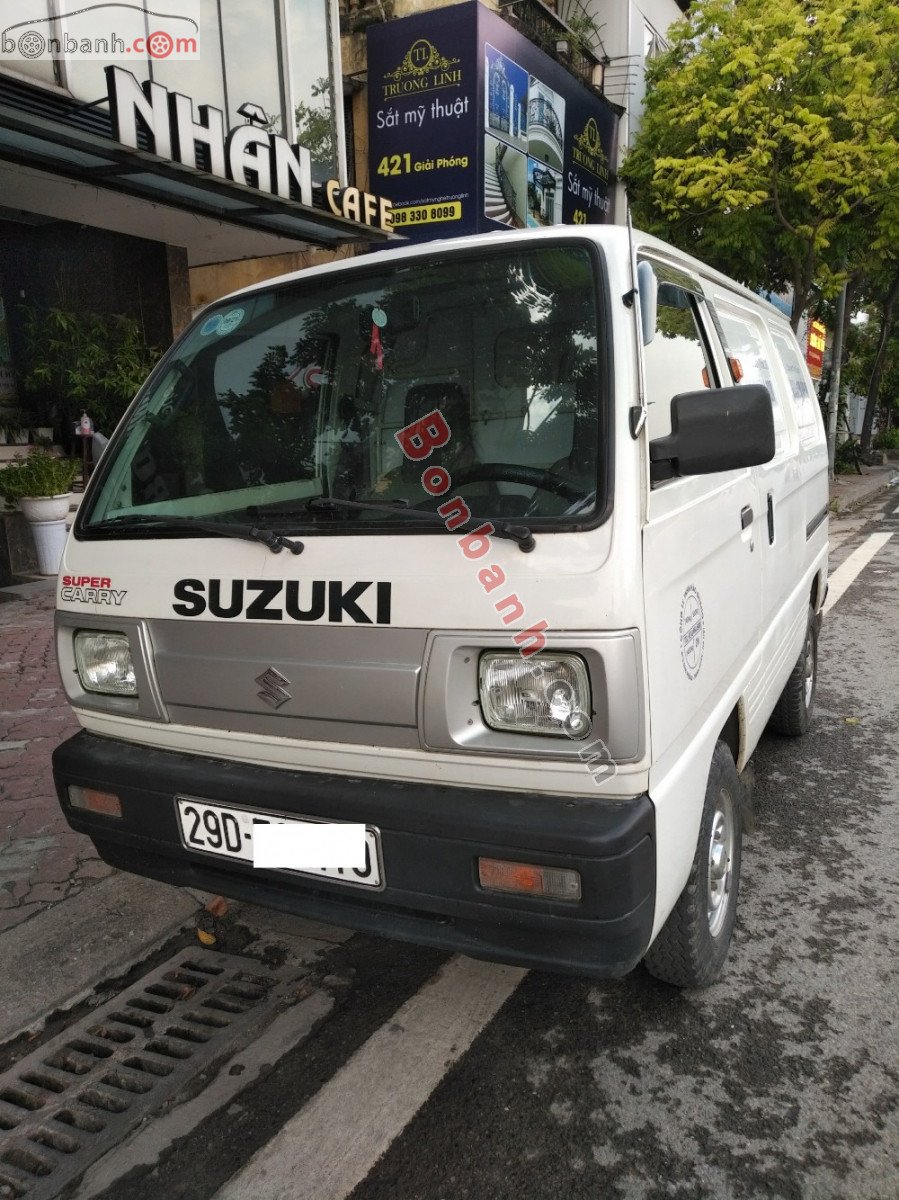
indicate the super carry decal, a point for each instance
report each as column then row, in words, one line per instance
column 285, row 600
column 90, row 589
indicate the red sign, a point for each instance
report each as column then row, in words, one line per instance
column 814, row 351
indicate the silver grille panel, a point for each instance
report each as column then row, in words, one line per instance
column 344, row 684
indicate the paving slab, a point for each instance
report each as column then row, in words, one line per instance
column 55, row 959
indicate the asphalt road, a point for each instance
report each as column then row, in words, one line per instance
column 780, row 1081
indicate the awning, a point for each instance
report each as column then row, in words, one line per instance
column 213, row 218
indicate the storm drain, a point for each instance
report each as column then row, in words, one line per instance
column 76, row 1097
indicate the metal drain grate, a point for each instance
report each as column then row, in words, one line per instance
column 76, row 1097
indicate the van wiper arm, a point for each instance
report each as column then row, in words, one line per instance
column 514, row 533
column 276, row 542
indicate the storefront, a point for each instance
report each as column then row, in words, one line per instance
column 138, row 150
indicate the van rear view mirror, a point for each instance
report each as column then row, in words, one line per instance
column 648, row 289
column 719, row 429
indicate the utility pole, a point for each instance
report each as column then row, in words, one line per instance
column 833, row 404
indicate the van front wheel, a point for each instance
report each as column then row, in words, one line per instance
column 793, row 714
column 693, row 943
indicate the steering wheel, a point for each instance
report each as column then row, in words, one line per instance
column 538, row 477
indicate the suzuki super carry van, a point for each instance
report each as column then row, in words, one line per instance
column 507, row 549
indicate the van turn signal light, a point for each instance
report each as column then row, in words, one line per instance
column 106, row 803
column 528, row 879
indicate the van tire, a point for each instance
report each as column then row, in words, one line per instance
column 792, row 715
column 692, row 945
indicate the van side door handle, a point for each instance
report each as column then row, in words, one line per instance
column 746, row 516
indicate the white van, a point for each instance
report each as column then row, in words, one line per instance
column 506, row 548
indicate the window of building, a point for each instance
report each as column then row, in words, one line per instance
column 202, row 79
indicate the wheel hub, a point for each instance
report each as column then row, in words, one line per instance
column 720, row 870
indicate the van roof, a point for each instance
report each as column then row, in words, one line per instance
column 610, row 236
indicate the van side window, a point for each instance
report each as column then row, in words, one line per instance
column 807, row 411
column 676, row 360
column 744, row 342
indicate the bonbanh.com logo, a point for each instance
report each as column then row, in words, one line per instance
column 108, row 30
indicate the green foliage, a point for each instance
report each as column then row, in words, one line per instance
column 84, row 362
column 315, row 126
column 770, row 140
column 40, row 474
column 888, row 440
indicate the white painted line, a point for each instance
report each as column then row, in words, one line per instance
column 331, row 1145
column 848, row 571
column 896, row 511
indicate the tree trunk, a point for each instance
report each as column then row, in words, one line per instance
column 886, row 325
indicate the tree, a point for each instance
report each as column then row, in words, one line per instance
column 315, row 125
column 770, row 140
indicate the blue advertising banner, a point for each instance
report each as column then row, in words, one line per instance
column 423, row 119
column 472, row 127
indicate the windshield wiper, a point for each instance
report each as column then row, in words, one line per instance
column 514, row 533
column 276, row 542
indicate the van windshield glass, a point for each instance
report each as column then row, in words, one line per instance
column 296, row 392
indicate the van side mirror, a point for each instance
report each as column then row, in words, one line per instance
column 648, row 291
column 717, row 429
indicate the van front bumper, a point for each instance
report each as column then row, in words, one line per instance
column 431, row 838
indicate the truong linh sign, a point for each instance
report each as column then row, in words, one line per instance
column 473, row 128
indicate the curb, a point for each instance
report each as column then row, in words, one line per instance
column 842, row 509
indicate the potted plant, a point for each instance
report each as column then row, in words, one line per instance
column 41, row 487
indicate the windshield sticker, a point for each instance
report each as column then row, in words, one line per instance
column 211, row 325
column 90, row 589
column 222, row 323
column 379, row 317
column 231, row 320
column 692, row 632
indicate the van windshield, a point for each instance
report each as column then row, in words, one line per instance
column 277, row 399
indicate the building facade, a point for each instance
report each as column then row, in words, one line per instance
column 149, row 163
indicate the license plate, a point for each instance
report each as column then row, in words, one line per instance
column 228, row 833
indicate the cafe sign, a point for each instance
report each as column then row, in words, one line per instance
column 246, row 154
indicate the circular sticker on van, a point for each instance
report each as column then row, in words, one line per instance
column 231, row 320
column 221, row 323
column 692, row 632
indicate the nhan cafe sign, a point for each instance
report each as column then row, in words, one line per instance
column 473, row 128
column 247, row 154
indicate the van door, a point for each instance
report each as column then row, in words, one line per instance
column 701, row 566
column 781, row 539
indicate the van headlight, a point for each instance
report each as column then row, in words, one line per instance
column 104, row 663
column 548, row 693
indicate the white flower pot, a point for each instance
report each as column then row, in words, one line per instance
column 46, row 508
column 49, row 542
column 47, row 517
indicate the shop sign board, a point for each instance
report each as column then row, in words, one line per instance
column 247, row 154
column 473, row 128
column 814, row 352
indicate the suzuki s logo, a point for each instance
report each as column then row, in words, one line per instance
column 274, row 688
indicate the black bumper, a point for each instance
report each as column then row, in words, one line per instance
column 431, row 838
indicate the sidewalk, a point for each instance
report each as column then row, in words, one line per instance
column 66, row 918
column 848, row 492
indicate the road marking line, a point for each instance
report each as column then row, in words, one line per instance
column 896, row 511
column 848, row 571
column 333, row 1142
